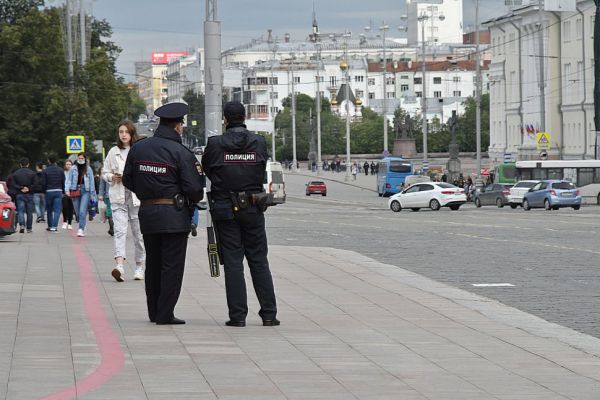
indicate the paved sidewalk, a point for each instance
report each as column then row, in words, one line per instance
column 352, row 328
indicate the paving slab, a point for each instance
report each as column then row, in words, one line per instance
column 352, row 328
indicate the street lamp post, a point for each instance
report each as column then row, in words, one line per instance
column 294, row 159
column 384, row 28
column 423, row 19
column 345, row 69
column 318, row 106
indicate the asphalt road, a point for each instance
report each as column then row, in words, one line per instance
column 551, row 258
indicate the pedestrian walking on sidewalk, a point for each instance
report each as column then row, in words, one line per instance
column 168, row 180
column 366, row 168
column 372, row 168
column 67, row 203
column 53, row 179
column 124, row 204
column 39, row 196
column 80, row 187
column 22, row 184
column 239, row 222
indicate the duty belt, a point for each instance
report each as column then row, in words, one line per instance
column 154, row 202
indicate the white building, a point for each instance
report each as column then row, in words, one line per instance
column 443, row 25
column 518, row 109
column 184, row 74
column 152, row 86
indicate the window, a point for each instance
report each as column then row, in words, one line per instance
column 371, row 82
column 412, row 189
column 360, row 93
column 403, row 88
column 437, row 93
column 566, row 31
column 274, row 110
column 457, row 93
column 555, row 173
column 404, row 77
column 418, row 81
column 437, row 80
column 359, row 78
column 585, row 176
column 568, row 78
column 425, row 188
column 512, row 42
column 274, row 95
column 456, row 79
column 273, row 81
column 400, row 166
column 391, row 95
column 333, row 80
column 296, row 79
column 371, row 95
column 390, row 81
column 419, row 94
column 579, row 28
column 597, row 175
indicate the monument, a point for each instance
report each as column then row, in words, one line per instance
column 454, row 165
column 404, row 146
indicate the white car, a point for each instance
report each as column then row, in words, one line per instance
column 432, row 195
column 515, row 197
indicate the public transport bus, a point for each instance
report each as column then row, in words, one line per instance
column 505, row 173
column 585, row 174
column 391, row 173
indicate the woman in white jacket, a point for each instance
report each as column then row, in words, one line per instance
column 124, row 203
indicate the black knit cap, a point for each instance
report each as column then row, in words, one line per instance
column 234, row 111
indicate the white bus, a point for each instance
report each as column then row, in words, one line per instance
column 585, row 174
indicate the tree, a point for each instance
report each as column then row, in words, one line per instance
column 466, row 130
column 38, row 107
column 11, row 10
column 196, row 104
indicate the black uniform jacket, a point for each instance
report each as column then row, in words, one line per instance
column 160, row 167
column 235, row 162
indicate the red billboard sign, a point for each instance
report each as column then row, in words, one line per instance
column 162, row 57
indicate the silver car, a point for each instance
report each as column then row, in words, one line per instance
column 515, row 197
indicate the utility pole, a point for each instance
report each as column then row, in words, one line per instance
column 345, row 67
column 271, row 108
column 294, row 159
column 82, row 33
column 318, row 106
column 423, row 18
column 597, row 76
column 542, row 82
column 213, row 85
column 384, row 28
column 69, row 43
column 477, row 90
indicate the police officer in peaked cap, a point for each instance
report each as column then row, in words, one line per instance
column 235, row 163
column 168, row 180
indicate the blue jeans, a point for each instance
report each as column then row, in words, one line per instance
column 53, row 206
column 25, row 205
column 80, row 205
column 39, row 200
column 195, row 217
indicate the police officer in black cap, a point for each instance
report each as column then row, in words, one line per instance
column 168, row 180
column 235, row 163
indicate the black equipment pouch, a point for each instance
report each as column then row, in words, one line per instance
column 242, row 200
column 179, row 201
column 263, row 200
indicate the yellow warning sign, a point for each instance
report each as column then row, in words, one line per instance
column 543, row 141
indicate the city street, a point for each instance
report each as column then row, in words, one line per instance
column 550, row 259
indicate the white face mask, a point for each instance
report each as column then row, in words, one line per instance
column 80, row 162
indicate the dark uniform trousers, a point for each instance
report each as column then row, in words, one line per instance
column 165, row 260
column 245, row 235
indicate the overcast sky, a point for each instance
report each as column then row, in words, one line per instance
column 142, row 26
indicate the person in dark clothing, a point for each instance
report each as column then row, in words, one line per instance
column 168, row 180
column 22, row 184
column 366, row 168
column 372, row 168
column 235, row 163
column 53, row 180
column 67, row 203
column 39, row 196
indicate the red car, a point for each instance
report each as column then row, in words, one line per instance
column 316, row 187
column 8, row 214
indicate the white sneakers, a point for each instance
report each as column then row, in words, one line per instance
column 139, row 274
column 64, row 226
column 119, row 273
column 69, row 227
column 80, row 233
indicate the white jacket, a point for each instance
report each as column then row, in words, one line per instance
column 115, row 163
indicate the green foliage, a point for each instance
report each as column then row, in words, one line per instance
column 38, row 107
column 11, row 10
column 196, row 104
column 466, row 130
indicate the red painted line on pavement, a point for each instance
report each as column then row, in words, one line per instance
column 109, row 345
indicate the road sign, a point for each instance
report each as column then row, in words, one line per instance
column 507, row 157
column 543, row 140
column 386, row 153
column 75, row 144
column 543, row 155
column 425, row 165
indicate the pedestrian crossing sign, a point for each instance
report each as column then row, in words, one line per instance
column 75, row 144
column 543, row 141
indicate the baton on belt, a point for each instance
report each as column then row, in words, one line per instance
column 215, row 258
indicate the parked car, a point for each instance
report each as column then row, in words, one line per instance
column 316, row 187
column 8, row 214
column 552, row 195
column 432, row 195
column 515, row 197
column 492, row 194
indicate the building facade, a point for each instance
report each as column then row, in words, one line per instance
column 523, row 104
column 444, row 22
